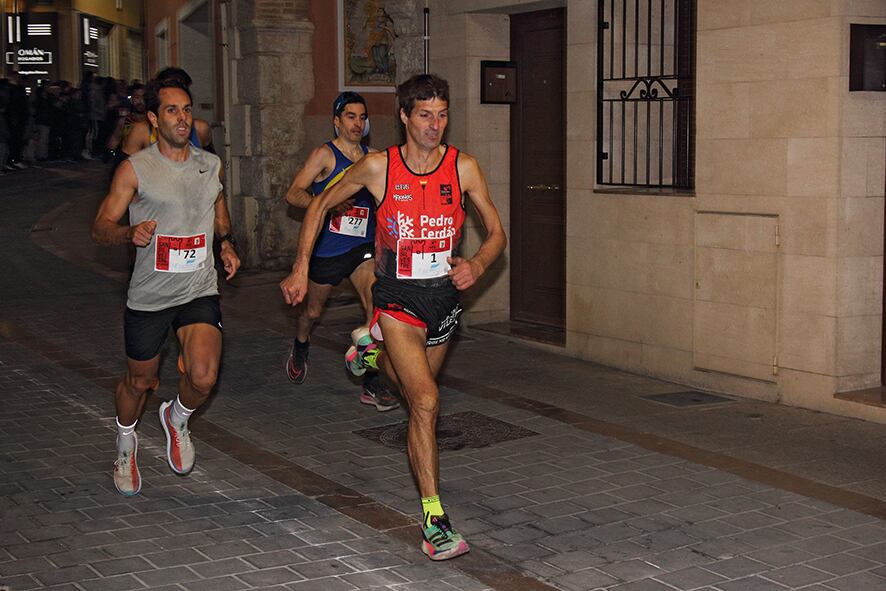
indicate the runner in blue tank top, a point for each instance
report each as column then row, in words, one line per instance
column 346, row 245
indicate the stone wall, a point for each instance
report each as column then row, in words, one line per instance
column 272, row 80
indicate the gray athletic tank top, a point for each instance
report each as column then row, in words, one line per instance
column 178, row 265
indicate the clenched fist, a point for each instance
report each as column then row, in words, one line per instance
column 141, row 234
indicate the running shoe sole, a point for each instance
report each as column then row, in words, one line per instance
column 366, row 398
column 353, row 363
column 300, row 379
column 428, row 549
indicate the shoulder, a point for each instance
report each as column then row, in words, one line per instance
column 205, row 156
column 205, row 159
column 141, row 126
column 204, row 132
column 465, row 161
column 374, row 161
column 323, row 151
column 144, row 155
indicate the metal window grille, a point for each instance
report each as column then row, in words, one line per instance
column 645, row 93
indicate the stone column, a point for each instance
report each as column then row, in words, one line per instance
column 271, row 81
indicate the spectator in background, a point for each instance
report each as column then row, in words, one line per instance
column 17, row 113
column 43, row 119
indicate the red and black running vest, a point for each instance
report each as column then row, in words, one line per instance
column 418, row 224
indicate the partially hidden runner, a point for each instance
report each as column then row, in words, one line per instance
column 345, row 248
column 420, row 188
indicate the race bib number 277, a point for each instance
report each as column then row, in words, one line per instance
column 351, row 223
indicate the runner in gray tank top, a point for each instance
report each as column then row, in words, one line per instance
column 173, row 192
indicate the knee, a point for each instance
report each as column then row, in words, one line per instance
column 138, row 385
column 313, row 313
column 424, row 405
column 202, row 379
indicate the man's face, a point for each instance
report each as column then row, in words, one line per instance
column 137, row 100
column 427, row 122
column 351, row 122
column 173, row 119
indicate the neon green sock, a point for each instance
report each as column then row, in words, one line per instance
column 431, row 507
column 370, row 358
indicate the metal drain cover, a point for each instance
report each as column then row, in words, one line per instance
column 454, row 432
column 688, row 398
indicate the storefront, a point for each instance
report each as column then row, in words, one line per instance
column 95, row 46
column 62, row 40
column 31, row 45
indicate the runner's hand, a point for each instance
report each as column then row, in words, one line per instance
column 229, row 259
column 340, row 209
column 294, row 288
column 141, row 234
column 464, row 273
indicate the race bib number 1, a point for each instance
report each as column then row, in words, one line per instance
column 353, row 222
column 180, row 254
column 423, row 258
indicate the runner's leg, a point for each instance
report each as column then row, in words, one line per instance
column 131, row 391
column 311, row 310
column 415, row 367
column 200, row 356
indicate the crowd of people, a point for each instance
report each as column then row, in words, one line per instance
column 59, row 121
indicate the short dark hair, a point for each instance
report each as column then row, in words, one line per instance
column 421, row 87
column 174, row 74
column 152, row 92
column 344, row 99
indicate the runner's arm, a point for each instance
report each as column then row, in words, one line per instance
column 138, row 138
column 465, row 272
column 222, row 227
column 321, row 160
column 106, row 229
column 369, row 172
column 116, row 135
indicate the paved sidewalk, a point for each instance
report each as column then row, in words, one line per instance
column 582, row 482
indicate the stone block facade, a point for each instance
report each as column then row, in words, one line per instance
column 767, row 280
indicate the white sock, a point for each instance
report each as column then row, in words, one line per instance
column 125, row 436
column 180, row 412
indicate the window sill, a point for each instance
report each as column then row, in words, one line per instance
column 664, row 192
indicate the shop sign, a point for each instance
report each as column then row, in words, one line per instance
column 30, row 57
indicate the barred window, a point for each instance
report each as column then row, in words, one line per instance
column 646, row 93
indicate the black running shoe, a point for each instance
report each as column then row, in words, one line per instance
column 297, row 362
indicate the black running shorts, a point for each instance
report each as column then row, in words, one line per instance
column 331, row 270
column 145, row 332
column 435, row 308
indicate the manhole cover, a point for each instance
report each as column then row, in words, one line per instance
column 688, row 398
column 454, row 432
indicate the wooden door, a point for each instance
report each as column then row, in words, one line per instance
column 538, row 188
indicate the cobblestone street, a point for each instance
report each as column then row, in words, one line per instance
column 562, row 474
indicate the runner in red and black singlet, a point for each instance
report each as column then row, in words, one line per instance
column 419, row 188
